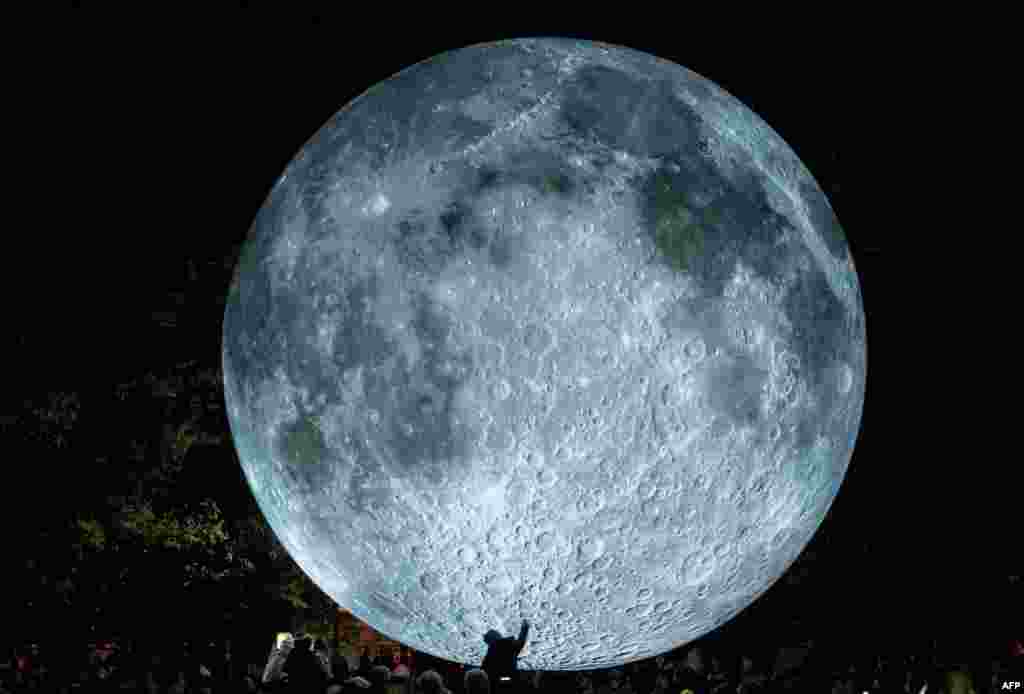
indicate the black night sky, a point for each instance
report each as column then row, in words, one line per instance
column 177, row 135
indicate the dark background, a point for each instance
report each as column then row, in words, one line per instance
column 176, row 131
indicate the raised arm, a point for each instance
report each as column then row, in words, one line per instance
column 521, row 641
column 275, row 663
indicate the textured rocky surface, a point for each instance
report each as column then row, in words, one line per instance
column 550, row 329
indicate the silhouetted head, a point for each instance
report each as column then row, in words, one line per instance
column 492, row 636
column 304, row 670
column 477, row 682
column 379, row 676
column 430, row 682
column 695, row 659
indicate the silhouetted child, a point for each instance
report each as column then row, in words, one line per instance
column 502, row 660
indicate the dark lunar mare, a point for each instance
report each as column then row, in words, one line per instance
column 420, row 397
column 426, row 242
column 417, row 403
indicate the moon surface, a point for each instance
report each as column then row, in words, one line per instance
column 545, row 329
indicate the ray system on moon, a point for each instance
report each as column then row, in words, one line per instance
column 545, row 329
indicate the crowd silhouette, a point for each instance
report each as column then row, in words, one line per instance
column 306, row 665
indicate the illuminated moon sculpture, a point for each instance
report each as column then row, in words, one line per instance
column 545, row 329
